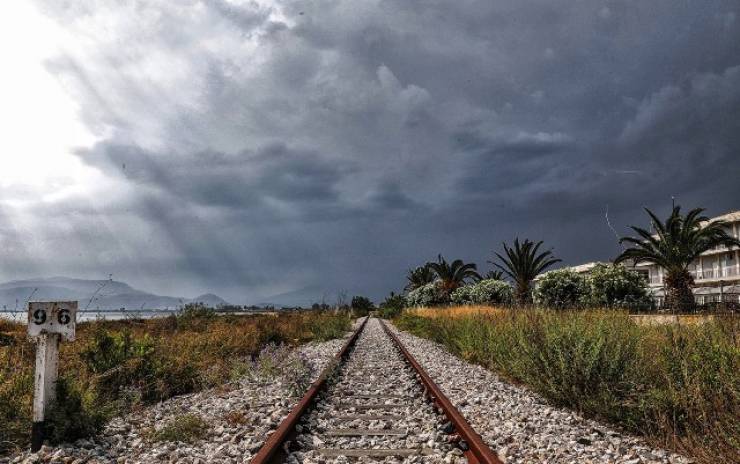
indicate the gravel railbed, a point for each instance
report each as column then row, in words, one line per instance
column 239, row 416
column 375, row 374
column 519, row 424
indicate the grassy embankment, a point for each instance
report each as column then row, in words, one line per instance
column 677, row 385
column 115, row 366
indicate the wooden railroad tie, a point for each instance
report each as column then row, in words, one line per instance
column 367, row 432
column 376, row 453
column 350, row 417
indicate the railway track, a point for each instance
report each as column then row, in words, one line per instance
column 374, row 404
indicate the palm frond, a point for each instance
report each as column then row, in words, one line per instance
column 523, row 262
column 677, row 241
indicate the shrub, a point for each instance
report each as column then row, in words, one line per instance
column 195, row 316
column 392, row 306
column 16, row 396
column 172, row 376
column 676, row 384
column 279, row 361
column 427, row 295
column 73, row 415
column 613, row 285
column 462, row 295
column 267, row 363
column 327, row 326
column 588, row 359
column 562, row 288
column 122, row 364
column 118, row 360
column 485, row 292
column 236, row 418
column 296, row 373
column 361, row 306
column 6, row 340
column 109, row 350
column 187, row 428
column 269, row 332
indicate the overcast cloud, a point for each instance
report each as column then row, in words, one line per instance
column 252, row 148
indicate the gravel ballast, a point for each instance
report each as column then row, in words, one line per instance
column 238, row 415
column 376, row 391
column 519, row 424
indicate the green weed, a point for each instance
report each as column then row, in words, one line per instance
column 187, row 428
column 677, row 385
column 119, row 365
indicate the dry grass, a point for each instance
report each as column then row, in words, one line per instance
column 663, row 319
column 454, row 311
column 187, row 428
column 114, row 366
column 236, row 418
column 679, row 385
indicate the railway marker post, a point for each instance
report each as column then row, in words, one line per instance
column 48, row 324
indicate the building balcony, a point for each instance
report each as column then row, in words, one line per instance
column 716, row 273
column 708, row 274
column 730, row 271
column 719, row 250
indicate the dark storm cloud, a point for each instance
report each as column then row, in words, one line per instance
column 246, row 181
column 274, row 146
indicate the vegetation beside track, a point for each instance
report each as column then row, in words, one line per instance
column 115, row 366
column 677, row 385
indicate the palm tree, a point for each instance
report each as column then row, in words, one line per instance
column 676, row 243
column 453, row 275
column 419, row 277
column 522, row 263
column 493, row 275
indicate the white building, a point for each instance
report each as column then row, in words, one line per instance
column 716, row 272
column 579, row 269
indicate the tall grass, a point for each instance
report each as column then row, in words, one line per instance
column 454, row 311
column 114, row 366
column 677, row 385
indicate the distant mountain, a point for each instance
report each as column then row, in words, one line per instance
column 78, row 285
column 303, row 297
column 92, row 294
column 210, row 300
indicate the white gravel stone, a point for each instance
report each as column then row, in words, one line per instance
column 263, row 403
column 519, row 424
column 514, row 421
column 377, row 369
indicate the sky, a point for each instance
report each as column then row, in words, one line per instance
column 260, row 148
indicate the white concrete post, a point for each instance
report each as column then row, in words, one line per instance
column 48, row 324
column 44, row 389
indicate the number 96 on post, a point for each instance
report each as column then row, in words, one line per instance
column 59, row 317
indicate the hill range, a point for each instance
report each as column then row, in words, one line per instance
column 101, row 295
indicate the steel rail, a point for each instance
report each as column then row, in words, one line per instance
column 477, row 451
column 272, row 450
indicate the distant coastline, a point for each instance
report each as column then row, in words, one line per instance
column 118, row 314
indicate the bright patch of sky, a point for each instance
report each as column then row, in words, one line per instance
column 39, row 119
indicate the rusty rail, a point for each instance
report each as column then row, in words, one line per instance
column 272, row 450
column 478, row 452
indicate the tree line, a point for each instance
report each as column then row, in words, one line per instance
column 673, row 244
